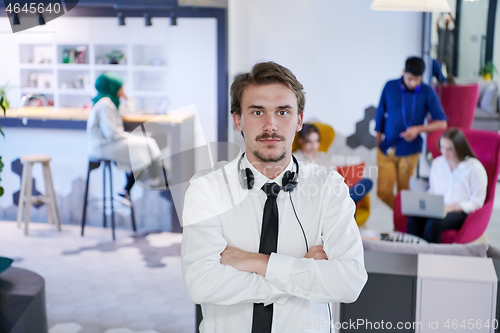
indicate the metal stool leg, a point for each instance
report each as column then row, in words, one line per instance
column 86, row 199
column 132, row 216
column 111, row 194
column 104, row 195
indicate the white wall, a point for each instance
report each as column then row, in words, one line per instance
column 341, row 51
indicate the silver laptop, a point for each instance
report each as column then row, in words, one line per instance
column 422, row 204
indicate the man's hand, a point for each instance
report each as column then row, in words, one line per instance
column 317, row 253
column 379, row 137
column 411, row 133
column 244, row 261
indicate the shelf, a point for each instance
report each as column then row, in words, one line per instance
column 75, row 92
column 143, row 68
column 110, row 67
column 36, row 66
column 102, row 52
column 78, row 53
column 26, row 90
column 36, row 54
column 140, row 93
column 149, row 68
column 73, row 66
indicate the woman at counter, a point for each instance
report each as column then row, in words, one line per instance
column 108, row 139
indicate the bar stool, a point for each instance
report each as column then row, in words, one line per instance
column 26, row 199
column 94, row 164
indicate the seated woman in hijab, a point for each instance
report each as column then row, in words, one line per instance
column 309, row 139
column 108, row 139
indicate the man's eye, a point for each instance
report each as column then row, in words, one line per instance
column 257, row 112
column 283, row 112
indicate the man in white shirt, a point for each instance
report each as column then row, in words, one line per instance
column 268, row 244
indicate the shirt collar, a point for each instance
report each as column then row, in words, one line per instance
column 260, row 179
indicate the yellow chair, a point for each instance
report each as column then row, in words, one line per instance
column 327, row 134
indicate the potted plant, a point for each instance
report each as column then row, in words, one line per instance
column 487, row 71
column 4, row 104
column 115, row 56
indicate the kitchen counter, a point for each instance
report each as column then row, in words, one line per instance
column 74, row 118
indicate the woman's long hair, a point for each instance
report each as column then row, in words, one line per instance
column 460, row 143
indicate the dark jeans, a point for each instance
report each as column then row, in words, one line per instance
column 430, row 229
column 130, row 181
column 359, row 190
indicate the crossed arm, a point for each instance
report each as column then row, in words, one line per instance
column 257, row 262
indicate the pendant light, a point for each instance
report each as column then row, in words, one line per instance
column 412, row 5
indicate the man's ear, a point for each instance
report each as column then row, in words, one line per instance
column 237, row 122
column 301, row 121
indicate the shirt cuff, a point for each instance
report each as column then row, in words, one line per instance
column 279, row 268
column 468, row 206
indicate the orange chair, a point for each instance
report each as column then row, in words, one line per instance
column 351, row 173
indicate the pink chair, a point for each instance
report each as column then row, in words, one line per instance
column 486, row 146
column 459, row 103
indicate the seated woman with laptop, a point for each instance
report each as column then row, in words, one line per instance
column 460, row 178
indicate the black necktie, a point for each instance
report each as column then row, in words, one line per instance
column 263, row 315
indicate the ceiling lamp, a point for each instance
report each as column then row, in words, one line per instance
column 121, row 19
column 41, row 20
column 147, row 20
column 412, row 5
column 173, row 18
column 15, row 19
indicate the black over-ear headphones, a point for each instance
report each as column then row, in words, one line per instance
column 289, row 182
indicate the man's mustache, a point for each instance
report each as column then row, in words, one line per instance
column 270, row 136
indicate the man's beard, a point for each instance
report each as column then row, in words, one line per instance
column 268, row 159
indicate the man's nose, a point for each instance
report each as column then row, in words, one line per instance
column 270, row 122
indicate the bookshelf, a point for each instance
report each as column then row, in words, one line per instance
column 65, row 73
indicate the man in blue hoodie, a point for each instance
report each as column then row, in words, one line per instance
column 400, row 117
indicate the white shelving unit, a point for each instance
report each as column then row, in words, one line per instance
column 44, row 70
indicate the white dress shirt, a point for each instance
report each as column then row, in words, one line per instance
column 465, row 186
column 218, row 212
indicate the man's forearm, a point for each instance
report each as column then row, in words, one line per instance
column 434, row 126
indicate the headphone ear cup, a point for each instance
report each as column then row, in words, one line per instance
column 286, row 178
column 250, row 178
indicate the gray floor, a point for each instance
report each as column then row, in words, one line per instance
column 134, row 285
column 95, row 286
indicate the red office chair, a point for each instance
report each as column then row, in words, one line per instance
column 486, row 146
column 459, row 103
